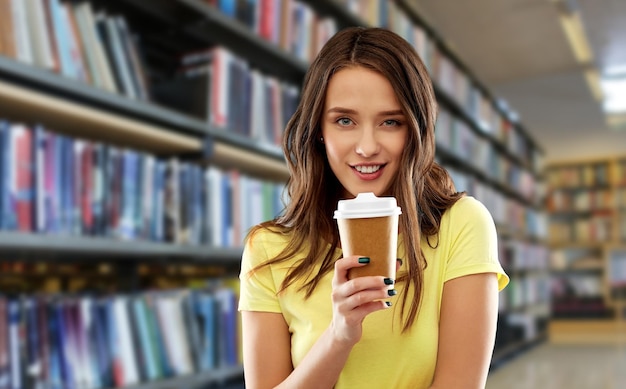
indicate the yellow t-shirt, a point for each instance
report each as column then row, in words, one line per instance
column 384, row 358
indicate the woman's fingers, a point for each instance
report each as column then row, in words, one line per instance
column 342, row 265
column 354, row 299
column 350, row 294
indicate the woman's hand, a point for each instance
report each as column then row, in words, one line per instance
column 354, row 299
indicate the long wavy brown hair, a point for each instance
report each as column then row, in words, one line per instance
column 423, row 189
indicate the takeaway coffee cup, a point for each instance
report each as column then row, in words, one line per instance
column 368, row 226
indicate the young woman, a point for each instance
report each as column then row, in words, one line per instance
column 365, row 123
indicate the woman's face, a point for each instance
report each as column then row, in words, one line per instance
column 364, row 131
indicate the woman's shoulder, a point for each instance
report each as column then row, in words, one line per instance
column 467, row 211
column 468, row 205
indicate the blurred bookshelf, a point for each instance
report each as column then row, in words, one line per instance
column 586, row 204
column 140, row 140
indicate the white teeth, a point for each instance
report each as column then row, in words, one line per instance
column 367, row 169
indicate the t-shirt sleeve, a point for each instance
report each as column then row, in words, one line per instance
column 258, row 291
column 474, row 242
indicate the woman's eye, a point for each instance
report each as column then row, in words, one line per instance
column 391, row 122
column 344, row 121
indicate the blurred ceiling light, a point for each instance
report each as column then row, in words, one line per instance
column 575, row 33
column 614, row 87
column 572, row 24
column 615, row 91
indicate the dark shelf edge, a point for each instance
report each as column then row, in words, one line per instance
column 53, row 84
column 196, row 380
column 86, row 248
column 462, row 164
column 460, row 113
column 81, row 93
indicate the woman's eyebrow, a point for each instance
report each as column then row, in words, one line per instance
column 341, row 110
column 352, row 111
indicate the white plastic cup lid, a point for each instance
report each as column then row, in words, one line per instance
column 367, row 205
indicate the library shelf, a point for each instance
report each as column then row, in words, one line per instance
column 206, row 23
column 460, row 111
column 450, row 158
column 19, row 103
column 83, row 111
column 196, row 380
column 87, row 248
column 462, row 114
column 576, row 221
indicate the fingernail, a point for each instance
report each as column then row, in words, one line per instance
column 388, row 281
column 388, row 303
column 392, row 292
column 399, row 260
column 364, row 260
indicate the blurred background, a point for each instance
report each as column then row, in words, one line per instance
column 139, row 141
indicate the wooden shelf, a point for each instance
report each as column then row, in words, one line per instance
column 191, row 381
column 32, row 246
column 19, row 103
column 74, row 119
column 587, row 331
column 229, row 156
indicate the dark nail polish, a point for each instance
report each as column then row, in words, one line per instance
column 388, row 281
column 388, row 303
column 399, row 260
column 364, row 260
column 392, row 292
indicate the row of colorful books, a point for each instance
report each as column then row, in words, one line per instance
column 580, row 284
column 581, row 200
column 526, row 292
column 216, row 86
column 448, row 76
column 292, row 25
column 526, row 263
column 51, row 183
column 72, row 39
column 455, row 136
column 520, row 255
column 578, row 176
column 517, row 217
column 594, row 228
column 577, row 258
column 82, row 341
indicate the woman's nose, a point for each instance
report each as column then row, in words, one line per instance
column 367, row 144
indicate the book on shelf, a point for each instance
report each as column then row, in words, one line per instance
column 75, row 40
column 7, row 33
column 21, row 33
column 70, row 340
column 51, row 183
column 216, row 86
